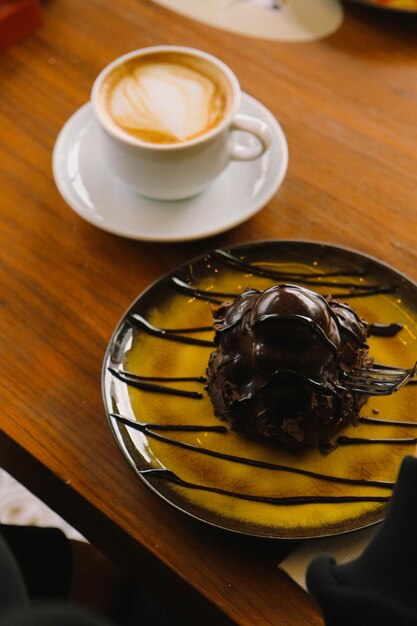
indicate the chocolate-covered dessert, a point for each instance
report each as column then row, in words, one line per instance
column 281, row 353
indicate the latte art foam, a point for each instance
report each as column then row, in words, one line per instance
column 163, row 100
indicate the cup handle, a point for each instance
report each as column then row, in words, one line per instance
column 255, row 127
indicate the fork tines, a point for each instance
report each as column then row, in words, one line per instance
column 381, row 380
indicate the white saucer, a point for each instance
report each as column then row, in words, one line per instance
column 236, row 195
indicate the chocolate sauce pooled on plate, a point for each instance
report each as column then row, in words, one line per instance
column 275, row 374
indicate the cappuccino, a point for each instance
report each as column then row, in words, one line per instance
column 167, row 116
column 165, row 97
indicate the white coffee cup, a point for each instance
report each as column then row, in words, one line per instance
column 167, row 115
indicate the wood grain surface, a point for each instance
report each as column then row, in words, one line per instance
column 348, row 106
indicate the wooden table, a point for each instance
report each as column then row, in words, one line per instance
column 348, row 106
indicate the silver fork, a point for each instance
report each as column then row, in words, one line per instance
column 379, row 380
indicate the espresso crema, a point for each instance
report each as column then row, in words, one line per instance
column 165, row 98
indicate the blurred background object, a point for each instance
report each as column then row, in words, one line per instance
column 274, row 20
column 18, row 18
column 396, row 5
column 20, row 507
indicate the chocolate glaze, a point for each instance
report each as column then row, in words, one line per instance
column 275, row 373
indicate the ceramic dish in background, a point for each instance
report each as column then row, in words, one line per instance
column 393, row 5
column 228, row 493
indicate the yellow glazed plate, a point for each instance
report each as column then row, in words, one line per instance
column 193, row 460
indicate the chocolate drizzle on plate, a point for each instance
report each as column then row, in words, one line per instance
column 147, row 383
column 375, row 421
column 149, row 430
column 384, row 330
column 354, row 441
column 165, row 474
column 174, row 334
column 218, row 297
column 307, row 278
